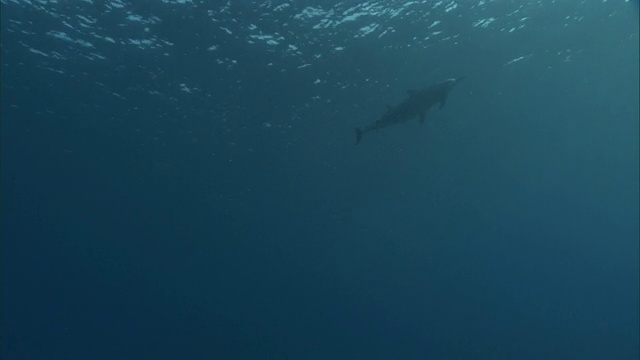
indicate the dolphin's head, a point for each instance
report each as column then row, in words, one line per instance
column 450, row 83
column 455, row 81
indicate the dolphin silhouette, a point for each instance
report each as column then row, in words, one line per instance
column 416, row 105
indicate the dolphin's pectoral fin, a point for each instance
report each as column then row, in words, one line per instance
column 412, row 92
column 359, row 133
column 423, row 116
column 442, row 102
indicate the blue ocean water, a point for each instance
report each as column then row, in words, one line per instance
column 180, row 180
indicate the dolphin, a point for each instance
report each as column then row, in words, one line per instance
column 416, row 105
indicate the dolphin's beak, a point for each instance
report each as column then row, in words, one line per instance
column 460, row 78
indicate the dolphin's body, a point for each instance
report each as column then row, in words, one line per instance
column 416, row 105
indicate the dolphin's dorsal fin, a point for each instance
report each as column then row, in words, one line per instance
column 412, row 92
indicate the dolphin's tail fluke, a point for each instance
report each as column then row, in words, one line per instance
column 359, row 133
